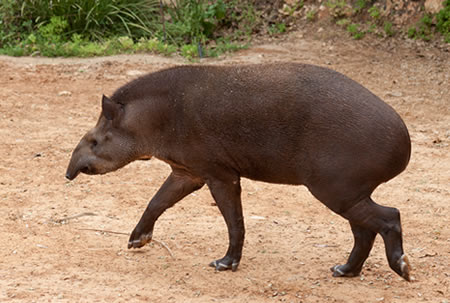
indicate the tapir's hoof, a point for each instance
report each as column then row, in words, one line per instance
column 225, row 264
column 139, row 242
column 340, row 271
column 405, row 267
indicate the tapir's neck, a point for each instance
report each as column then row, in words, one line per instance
column 151, row 121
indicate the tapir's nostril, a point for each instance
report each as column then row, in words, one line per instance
column 70, row 175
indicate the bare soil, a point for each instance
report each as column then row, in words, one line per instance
column 55, row 236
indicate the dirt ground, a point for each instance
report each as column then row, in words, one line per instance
column 55, row 236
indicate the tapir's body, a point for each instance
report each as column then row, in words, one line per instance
column 280, row 123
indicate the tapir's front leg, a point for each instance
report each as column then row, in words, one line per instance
column 178, row 185
column 227, row 194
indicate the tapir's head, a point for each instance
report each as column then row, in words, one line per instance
column 110, row 145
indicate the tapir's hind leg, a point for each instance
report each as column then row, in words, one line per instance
column 364, row 239
column 372, row 218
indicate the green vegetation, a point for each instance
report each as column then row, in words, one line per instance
column 338, row 8
column 380, row 25
column 277, row 28
column 422, row 29
column 343, row 21
column 388, row 29
column 194, row 21
column 374, row 12
column 429, row 24
column 191, row 28
column 443, row 21
column 311, row 15
column 291, row 10
column 89, row 18
column 359, row 5
column 105, row 27
column 354, row 30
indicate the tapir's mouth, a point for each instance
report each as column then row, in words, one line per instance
column 85, row 170
column 88, row 170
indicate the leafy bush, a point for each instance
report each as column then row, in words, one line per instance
column 443, row 21
column 70, row 27
column 423, row 29
column 194, row 21
column 90, row 18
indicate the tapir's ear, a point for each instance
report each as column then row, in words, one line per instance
column 109, row 108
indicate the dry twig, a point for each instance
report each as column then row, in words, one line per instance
column 127, row 234
column 73, row 217
column 105, row 231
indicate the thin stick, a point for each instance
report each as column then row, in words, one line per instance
column 165, row 246
column 127, row 234
column 105, row 231
column 74, row 217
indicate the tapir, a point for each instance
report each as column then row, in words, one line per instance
column 286, row 123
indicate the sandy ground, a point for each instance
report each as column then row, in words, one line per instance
column 54, row 234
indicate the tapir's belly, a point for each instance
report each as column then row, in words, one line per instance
column 273, row 175
column 270, row 165
column 354, row 156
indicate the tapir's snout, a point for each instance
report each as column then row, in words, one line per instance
column 70, row 176
column 80, row 166
column 79, row 163
column 72, row 173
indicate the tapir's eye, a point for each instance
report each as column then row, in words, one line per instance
column 94, row 142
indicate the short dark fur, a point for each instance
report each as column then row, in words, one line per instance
column 281, row 123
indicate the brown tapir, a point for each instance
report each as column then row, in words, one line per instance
column 281, row 123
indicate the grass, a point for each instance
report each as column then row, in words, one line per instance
column 277, row 28
column 337, row 8
column 89, row 18
column 311, row 15
column 423, row 29
column 290, row 10
column 191, row 28
column 355, row 31
column 359, row 5
column 428, row 28
column 374, row 12
column 443, row 21
column 388, row 29
column 101, row 27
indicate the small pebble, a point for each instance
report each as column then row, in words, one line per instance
column 65, row 93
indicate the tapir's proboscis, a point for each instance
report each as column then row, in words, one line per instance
column 282, row 123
